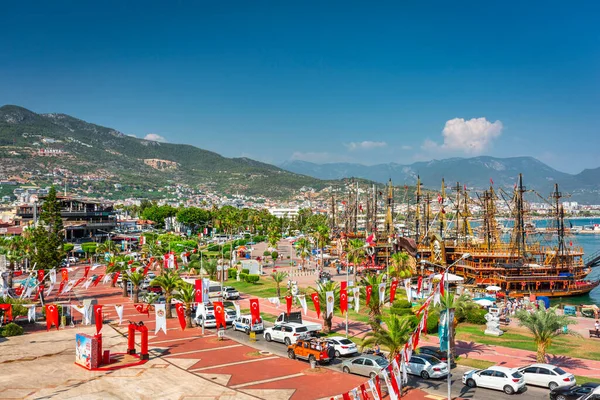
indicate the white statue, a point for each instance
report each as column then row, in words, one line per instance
column 493, row 323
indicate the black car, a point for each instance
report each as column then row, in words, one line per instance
column 437, row 353
column 573, row 392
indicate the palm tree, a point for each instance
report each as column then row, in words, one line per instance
column 151, row 248
column 401, row 269
column 394, row 335
column 119, row 264
column 462, row 306
column 278, row 277
column 321, row 235
column 107, row 247
column 210, row 268
column 372, row 280
column 303, row 247
column 136, row 279
column 169, row 280
column 545, row 325
column 321, row 290
column 185, row 294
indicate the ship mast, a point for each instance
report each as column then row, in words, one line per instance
column 519, row 229
column 442, row 199
column 457, row 211
column 389, row 220
column 560, row 222
column 417, row 210
column 426, row 211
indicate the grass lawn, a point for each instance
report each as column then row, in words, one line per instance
column 520, row 338
column 265, row 287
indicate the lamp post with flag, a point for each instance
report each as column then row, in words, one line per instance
column 448, row 312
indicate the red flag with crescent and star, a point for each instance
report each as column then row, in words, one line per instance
column 220, row 314
column 98, row 317
column 180, row 315
column 393, row 287
column 363, row 392
column 98, row 279
column 368, row 290
column 140, row 308
column 288, row 304
column 315, row 299
column 86, row 271
column 254, row 311
column 115, row 277
column 51, row 316
column 198, row 291
column 65, row 274
column 343, row 301
column 419, row 284
column 40, row 275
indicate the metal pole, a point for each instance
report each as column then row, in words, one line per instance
column 447, row 288
column 347, row 276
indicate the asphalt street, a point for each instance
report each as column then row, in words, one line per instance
column 433, row 386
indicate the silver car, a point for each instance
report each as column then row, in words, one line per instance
column 365, row 365
column 426, row 366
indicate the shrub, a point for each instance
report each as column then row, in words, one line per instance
column 252, row 278
column 214, row 247
column 243, row 276
column 11, row 329
column 232, row 273
column 401, row 307
column 245, row 270
column 267, row 253
column 433, row 319
column 18, row 309
column 194, row 257
column 476, row 316
column 259, row 238
column 274, row 255
column 226, row 249
column 67, row 247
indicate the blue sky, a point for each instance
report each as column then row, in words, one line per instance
column 368, row 82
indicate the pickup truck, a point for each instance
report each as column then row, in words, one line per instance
column 296, row 318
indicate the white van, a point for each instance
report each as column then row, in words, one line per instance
column 242, row 323
column 214, row 291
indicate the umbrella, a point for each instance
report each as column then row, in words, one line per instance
column 484, row 302
column 450, row 277
column 493, row 288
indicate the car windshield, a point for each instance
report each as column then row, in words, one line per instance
column 560, row 371
column 210, row 316
column 517, row 375
column 231, row 289
column 345, row 341
column 382, row 362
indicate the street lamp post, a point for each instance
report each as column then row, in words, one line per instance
column 446, row 289
column 348, row 277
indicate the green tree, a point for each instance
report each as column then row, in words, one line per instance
column 372, row 280
column 107, row 247
column 158, row 214
column 136, row 279
column 400, row 267
column 47, row 237
column 210, row 268
column 545, row 325
column 356, row 253
column 303, row 249
column 321, row 235
column 278, row 277
column 394, row 335
column 193, row 217
column 169, row 280
column 185, row 294
column 274, row 256
column 321, row 290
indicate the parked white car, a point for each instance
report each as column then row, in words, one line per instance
column 209, row 322
column 230, row 293
column 230, row 316
column 342, row 346
column 508, row 380
column 547, row 375
column 243, row 323
column 426, row 366
column 285, row 333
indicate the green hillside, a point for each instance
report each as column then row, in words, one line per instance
column 89, row 149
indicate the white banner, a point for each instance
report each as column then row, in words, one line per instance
column 119, row 310
column 397, row 374
column 275, row 301
column 302, row 300
column 161, row 318
column 408, row 289
column 237, row 309
column 200, row 310
column 31, row 313
column 205, row 286
column 49, row 289
column 95, row 266
column 52, row 276
column 107, row 278
column 404, row 371
column 386, row 377
column 28, row 291
column 381, row 293
column 373, row 388
column 69, row 286
column 329, row 301
column 88, row 282
column 356, row 292
column 85, row 311
column 436, row 296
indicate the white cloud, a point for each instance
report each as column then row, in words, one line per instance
column 319, row 157
column 470, row 137
column 155, row 138
column 406, row 147
column 365, row 145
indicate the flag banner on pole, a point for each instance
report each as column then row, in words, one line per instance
column 142, row 310
column 419, row 285
column 115, row 277
column 50, row 288
column 381, row 293
column 255, row 310
column 31, row 313
column 368, row 291
column 86, row 271
column 329, row 301
column 180, row 315
column 441, row 284
column 161, row 318
column 288, row 304
column 346, row 396
column 65, row 274
column 97, row 281
column 40, row 275
column 88, row 282
column 393, row 287
column 356, row 293
column 343, row 285
column 220, row 314
column 302, row 301
column 198, row 291
column 200, row 310
column 236, row 305
column 343, row 301
column 397, row 375
column 374, row 390
column 61, row 287
column 392, row 387
column 98, row 318
column 80, row 280
column 205, row 286
column 363, row 392
column 408, row 289
column 51, row 316
column 52, row 276
column 317, row 304
column 119, row 310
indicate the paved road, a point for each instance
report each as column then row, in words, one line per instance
column 433, row 386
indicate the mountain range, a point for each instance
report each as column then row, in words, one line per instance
column 58, row 145
column 473, row 172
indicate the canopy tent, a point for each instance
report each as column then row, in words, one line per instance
column 484, row 302
column 493, row 288
column 451, row 278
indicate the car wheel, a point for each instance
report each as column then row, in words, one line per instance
column 337, row 354
column 552, row 385
column 268, row 337
column 508, row 389
column 346, row 370
column 287, row 341
column 424, row 374
column 372, row 375
column 471, row 383
column 561, row 397
column 247, row 331
column 291, row 354
column 311, row 359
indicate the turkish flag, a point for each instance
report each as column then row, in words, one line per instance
column 378, row 386
column 86, row 271
column 419, row 284
column 393, row 287
column 220, row 313
column 441, row 284
column 368, row 289
column 98, row 279
column 393, row 381
column 288, row 303
column 346, row 396
column 78, row 282
column 140, row 308
column 180, row 315
column 60, row 288
column 98, row 317
column 363, row 392
column 146, row 268
column 65, row 274
column 343, row 301
column 315, row 299
column 37, row 293
column 198, row 291
column 51, row 316
column 40, row 275
column 116, row 276
column 343, row 285
column 19, row 290
column 254, row 310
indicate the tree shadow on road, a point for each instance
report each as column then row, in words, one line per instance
column 562, row 361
